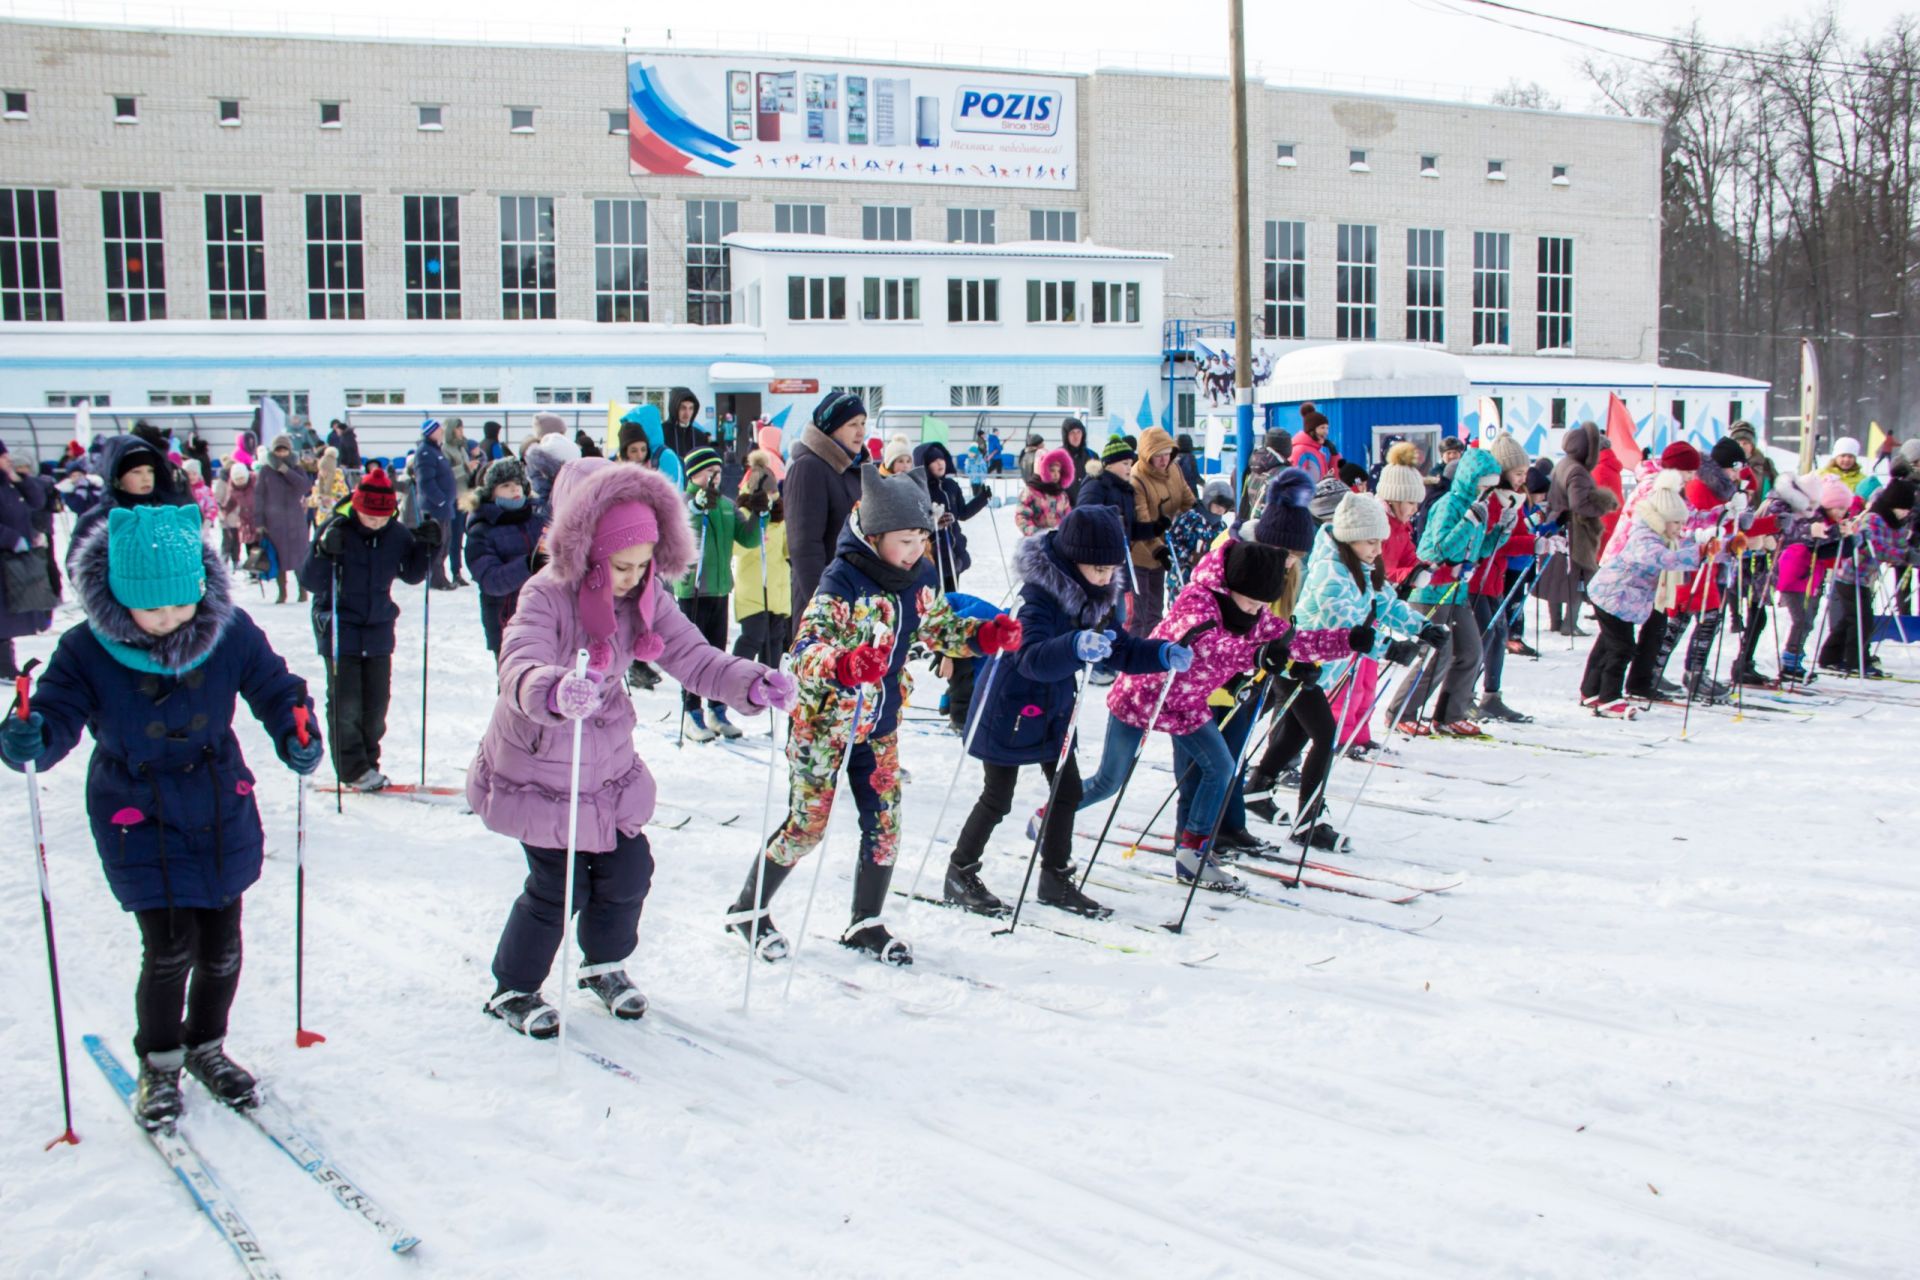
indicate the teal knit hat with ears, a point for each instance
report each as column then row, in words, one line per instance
column 154, row 556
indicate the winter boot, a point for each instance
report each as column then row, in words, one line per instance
column 1704, row 689
column 224, row 1078
column 1195, row 859
column 156, row 1099
column 1264, row 808
column 694, row 725
column 1521, row 649
column 615, row 989
column 642, row 676
column 1258, row 783
column 964, row 889
column 717, row 719
column 1748, row 674
column 764, row 937
column 1240, row 841
column 1793, row 668
column 371, row 780
column 526, row 1012
column 1491, row 707
column 867, row 933
column 1319, row 835
column 1061, row 889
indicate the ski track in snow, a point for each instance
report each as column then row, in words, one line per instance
column 1667, row 1027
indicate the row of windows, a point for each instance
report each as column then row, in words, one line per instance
column 1287, row 156
column 1356, row 278
column 895, row 222
column 428, row 116
column 885, row 298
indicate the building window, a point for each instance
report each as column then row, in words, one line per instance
column 1426, row 286
column 655, row 396
column 519, row 119
column 1736, row 411
column 1558, row 413
column 971, row 397
column 356, row 397
column 1091, row 402
column 336, row 259
column 620, row 261
column 1496, row 171
column 329, row 115
column 1492, row 289
column 1283, row 155
column 1429, row 166
column 527, row 287
column 973, row 301
column 469, row 395
column 885, row 298
column 816, row 297
column 236, row 258
column 1116, row 302
column 69, row 399
column 170, row 398
column 563, row 395
column 126, row 111
column 1356, row 280
column 1553, row 324
column 229, row 113
column 431, row 254
column 432, row 117
column 1560, row 178
column 970, row 226
column 1054, row 224
column 292, row 403
column 29, row 256
column 800, row 219
column 1051, row 302
column 1677, row 410
column 886, row 222
column 136, row 255
column 16, row 104
column 1183, row 411
column 617, row 122
column 1357, row 161
column 1286, row 280
column 709, row 265
column 874, row 398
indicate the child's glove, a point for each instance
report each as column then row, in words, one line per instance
column 1275, row 654
column 999, row 635
column 1175, row 657
column 1433, row 635
column 1362, row 638
column 1162, row 556
column 1737, row 543
column 23, row 742
column 1401, row 652
column 1703, row 535
column 427, row 534
column 866, row 665
column 302, row 758
column 775, row 689
column 332, row 541
column 575, row 697
column 1303, row 673
column 1093, row 646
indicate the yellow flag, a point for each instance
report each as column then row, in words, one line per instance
column 1876, row 441
column 615, row 411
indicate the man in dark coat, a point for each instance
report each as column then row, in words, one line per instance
column 822, row 486
column 949, row 540
column 435, row 491
column 345, row 439
column 1073, row 438
column 25, row 506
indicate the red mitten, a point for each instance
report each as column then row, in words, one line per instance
column 866, row 665
column 999, row 634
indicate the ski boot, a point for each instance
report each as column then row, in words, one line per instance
column 1704, row 689
column 1461, row 728
column 1521, row 649
column 1793, row 669
column 764, row 937
column 965, row 890
column 371, row 780
column 640, row 675
column 1618, row 709
column 224, row 1078
column 1264, row 808
column 526, row 1012
column 1414, row 728
column 717, row 720
column 1061, row 889
column 156, row 1099
column 1750, row 675
column 1491, row 707
column 615, row 989
column 867, row 932
column 1258, row 783
column 1196, row 860
column 1240, row 842
column 1361, row 751
column 1318, row 835
column 694, row 724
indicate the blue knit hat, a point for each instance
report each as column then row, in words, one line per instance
column 428, row 427
column 1092, row 535
column 1285, row 521
column 153, row 556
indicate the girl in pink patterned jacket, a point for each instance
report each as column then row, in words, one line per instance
column 1044, row 504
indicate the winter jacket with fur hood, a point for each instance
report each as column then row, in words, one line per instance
column 1044, row 503
column 1158, row 495
column 116, row 455
column 1575, row 500
column 518, row 781
column 946, row 492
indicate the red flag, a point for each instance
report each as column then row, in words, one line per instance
column 1620, row 433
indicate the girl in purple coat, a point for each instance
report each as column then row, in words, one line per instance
column 619, row 535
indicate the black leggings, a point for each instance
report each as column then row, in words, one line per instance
column 1614, row 649
column 191, row 958
column 996, row 801
column 1309, row 720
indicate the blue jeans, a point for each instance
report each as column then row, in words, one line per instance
column 1203, row 752
column 1234, row 735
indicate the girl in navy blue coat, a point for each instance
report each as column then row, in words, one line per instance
column 154, row 674
column 1025, row 707
column 502, row 539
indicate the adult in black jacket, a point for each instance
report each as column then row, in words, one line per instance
column 1112, row 486
column 347, row 441
column 350, row 574
column 822, row 486
column 503, row 536
column 1073, row 438
column 949, row 540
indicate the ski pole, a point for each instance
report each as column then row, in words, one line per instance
column 1365, row 778
column 302, row 1037
column 699, row 571
column 1205, row 852
column 1139, row 748
column 1053, row 794
column 819, row 853
column 966, row 749
column 766, row 603
column 573, row 847
column 426, row 642
column 22, row 710
column 766, row 818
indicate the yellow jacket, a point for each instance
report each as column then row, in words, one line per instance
column 747, row 596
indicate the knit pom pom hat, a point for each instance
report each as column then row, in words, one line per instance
column 1361, row 517
column 1660, row 508
column 154, row 556
column 1092, row 535
column 1284, row 521
column 1834, row 493
column 1508, row 452
column 1400, row 480
column 1679, row 456
column 374, row 496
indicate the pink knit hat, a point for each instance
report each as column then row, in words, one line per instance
column 622, row 525
column 1835, row 494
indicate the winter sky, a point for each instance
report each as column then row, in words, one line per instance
column 1419, row 47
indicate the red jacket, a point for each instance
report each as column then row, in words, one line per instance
column 1400, row 556
column 1606, row 474
column 1317, row 460
column 1491, row 580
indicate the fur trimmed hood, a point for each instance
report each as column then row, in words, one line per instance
column 586, row 488
column 113, row 622
column 1055, row 467
column 1037, row 563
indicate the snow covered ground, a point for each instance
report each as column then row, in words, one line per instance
column 1665, row 1025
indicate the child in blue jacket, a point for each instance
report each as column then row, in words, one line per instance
column 154, row 675
column 503, row 537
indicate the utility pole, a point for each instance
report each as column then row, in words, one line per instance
column 1242, row 244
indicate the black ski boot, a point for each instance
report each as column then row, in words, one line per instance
column 1263, row 808
column 1062, row 889
column 642, row 676
column 1750, row 675
column 1320, row 835
column 1257, row 783
column 867, row 933
column 224, row 1078
column 615, row 989
column 526, row 1012
column 764, row 937
column 156, row 1099
column 965, row 890
column 1491, row 707
column 1239, row 841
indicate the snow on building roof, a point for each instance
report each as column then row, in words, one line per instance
column 1566, row 371
column 1361, row 370
column 778, row 242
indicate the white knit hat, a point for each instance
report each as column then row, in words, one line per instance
column 898, row 450
column 1360, row 517
column 1846, row 445
column 1400, row 484
column 1660, row 508
column 1507, row 452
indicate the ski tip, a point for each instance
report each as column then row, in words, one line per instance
column 406, row 1244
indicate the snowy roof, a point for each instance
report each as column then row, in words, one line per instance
column 1566, row 371
column 776, row 242
column 1363, row 369
column 377, row 341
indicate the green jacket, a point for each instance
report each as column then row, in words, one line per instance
column 719, row 530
